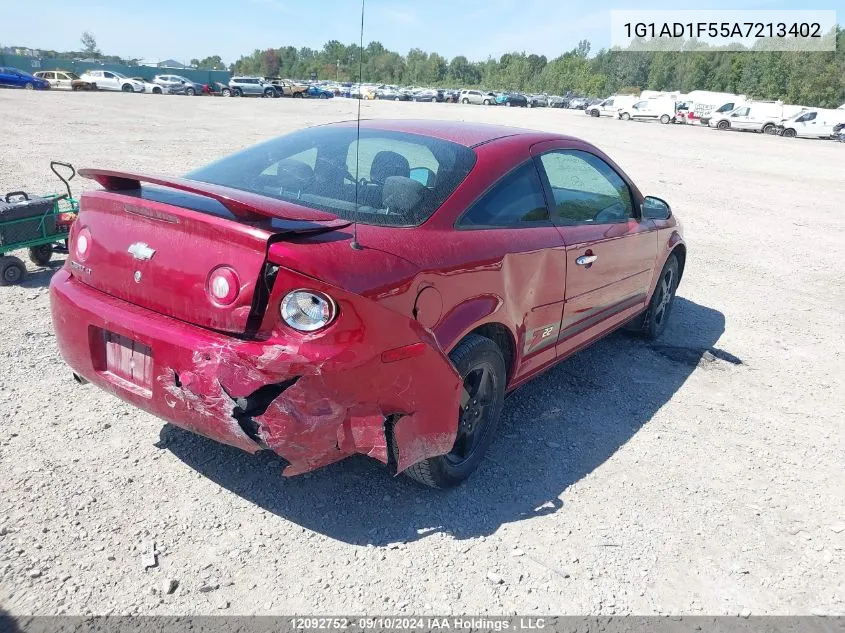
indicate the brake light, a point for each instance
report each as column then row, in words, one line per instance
column 223, row 286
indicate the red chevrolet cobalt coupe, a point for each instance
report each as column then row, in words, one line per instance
column 324, row 293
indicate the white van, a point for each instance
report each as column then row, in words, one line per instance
column 611, row 105
column 812, row 124
column 756, row 116
column 661, row 109
column 705, row 114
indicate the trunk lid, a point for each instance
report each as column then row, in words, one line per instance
column 161, row 247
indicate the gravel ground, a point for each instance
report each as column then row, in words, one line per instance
column 633, row 478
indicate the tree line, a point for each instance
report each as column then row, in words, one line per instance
column 814, row 79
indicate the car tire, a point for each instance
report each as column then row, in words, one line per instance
column 12, row 271
column 723, row 125
column 653, row 322
column 769, row 128
column 508, row 104
column 789, row 133
column 486, row 102
column 127, row 88
column 190, row 92
column 29, row 86
column 665, row 119
column 41, row 255
column 268, row 93
column 625, row 116
column 226, row 92
column 324, row 96
column 158, row 91
column 237, row 92
column 595, row 113
column 397, row 99
column 465, row 101
column 480, row 363
column 297, row 95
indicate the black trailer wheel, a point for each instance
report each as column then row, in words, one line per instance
column 41, row 255
column 12, row 271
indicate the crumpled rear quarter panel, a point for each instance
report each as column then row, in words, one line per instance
column 336, row 407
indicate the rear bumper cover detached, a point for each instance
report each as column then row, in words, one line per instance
column 309, row 405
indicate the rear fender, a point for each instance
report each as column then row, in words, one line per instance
column 347, row 387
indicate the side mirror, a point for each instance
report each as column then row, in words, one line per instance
column 656, row 209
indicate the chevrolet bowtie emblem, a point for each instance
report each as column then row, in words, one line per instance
column 142, row 251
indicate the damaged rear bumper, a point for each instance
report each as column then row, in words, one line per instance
column 309, row 407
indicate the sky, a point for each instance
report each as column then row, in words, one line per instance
column 185, row 29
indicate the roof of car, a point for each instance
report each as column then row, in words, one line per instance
column 465, row 133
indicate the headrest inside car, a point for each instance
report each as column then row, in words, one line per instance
column 402, row 195
column 294, row 175
column 387, row 164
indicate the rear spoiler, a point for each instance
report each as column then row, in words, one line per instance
column 243, row 204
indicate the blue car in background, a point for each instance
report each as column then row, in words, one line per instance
column 14, row 78
column 317, row 92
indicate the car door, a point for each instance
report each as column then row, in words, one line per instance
column 610, row 251
column 111, row 81
column 510, row 227
column 741, row 119
column 64, row 81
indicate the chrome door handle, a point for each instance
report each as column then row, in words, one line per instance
column 586, row 260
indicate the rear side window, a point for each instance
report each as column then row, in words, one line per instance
column 391, row 179
column 516, row 200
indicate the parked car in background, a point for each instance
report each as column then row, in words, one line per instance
column 756, row 116
column 578, row 103
column 814, row 123
column 611, row 105
column 112, row 81
column 14, row 78
column 839, row 131
column 286, row 87
column 705, row 115
column 451, row 95
column 151, row 88
column 318, row 92
column 558, row 102
column 64, row 80
column 251, row 87
column 538, row 101
column 512, row 100
column 660, row 109
column 477, row 97
column 434, row 96
column 176, row 84
column 534, row 245
column 392, row 94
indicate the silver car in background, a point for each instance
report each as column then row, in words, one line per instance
column 178, row 85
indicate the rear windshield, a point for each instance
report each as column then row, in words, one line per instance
column 388, row 178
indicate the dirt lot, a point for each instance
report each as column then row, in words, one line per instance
column 633, row 478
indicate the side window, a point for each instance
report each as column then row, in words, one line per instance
column 109, row 75
column 742, row 112
column 516, row 200
column 586, row 190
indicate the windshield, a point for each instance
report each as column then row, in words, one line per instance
column 402, row 178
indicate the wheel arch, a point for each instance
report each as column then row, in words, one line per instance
column 680, row 251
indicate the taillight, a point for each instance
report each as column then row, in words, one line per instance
column 82, row 245
column 223, row 285
column 307, row 311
